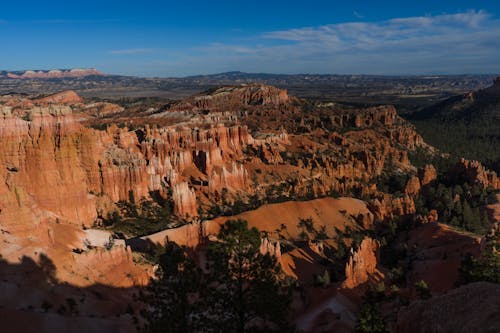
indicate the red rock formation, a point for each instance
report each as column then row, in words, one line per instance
column 269, row 247
column 248, row 142
column 228, row 98
column 412, row 187
column 427, row 175
column 433, row 216
column 102, row 109
column 475, row 173
column 105, row 266
column 107, row 166
column 65, row 97
column 362, row 264
column 387, row 206
column 235, row 178
column 380, row 115
column 184, row 200
column 46, row 143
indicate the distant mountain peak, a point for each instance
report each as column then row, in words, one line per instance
column 53, row 73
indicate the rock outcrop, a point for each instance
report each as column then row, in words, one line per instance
column 67, row 163
column 475, row 173
column 269, row 247
column 362, row 264
column 427, row 174
column 102, row 166
column 65, row 97
column 388, row 206
column 412, row 187
column 184, row 200
column 230, row 98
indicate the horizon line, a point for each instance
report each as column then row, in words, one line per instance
column 252, row 73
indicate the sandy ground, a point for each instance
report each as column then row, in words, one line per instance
column 327, row 212
column 437, row 251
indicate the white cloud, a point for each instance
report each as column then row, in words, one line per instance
column 354, row 34
column 357, row 15
column 462, row 42
column 223, row 48
column 132, row 51
column 466, row 42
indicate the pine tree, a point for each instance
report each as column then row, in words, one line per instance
column 423, row 290
column 457, row 208
column 486, row 268
column 467, row 216
column 246, row 293
column 370, row 319
column 173, row 297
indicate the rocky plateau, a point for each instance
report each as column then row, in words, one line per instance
column 248, row 151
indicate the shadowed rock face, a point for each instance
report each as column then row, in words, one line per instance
column 438, row 254
column 34, row 299
column 470, row 308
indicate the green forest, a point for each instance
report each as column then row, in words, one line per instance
column 465, row 126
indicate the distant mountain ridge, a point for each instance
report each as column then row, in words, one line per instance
column 406, row 92
column 49, row 74
column 470, row 106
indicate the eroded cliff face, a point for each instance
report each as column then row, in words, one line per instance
column 60, row 168
column 229, row 98
column 198, row 161
column 65, row 163
column 42, row 168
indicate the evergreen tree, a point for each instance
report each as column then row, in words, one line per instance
column 457, row 208
column 173, row 298
column 240, row 290
column 370, row 318
column 468, row 216
column 245, row 292
column 486, row 268
column 423, row 290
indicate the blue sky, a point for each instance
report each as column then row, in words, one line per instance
column 170, row 38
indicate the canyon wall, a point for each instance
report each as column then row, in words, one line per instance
column 85, row 170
